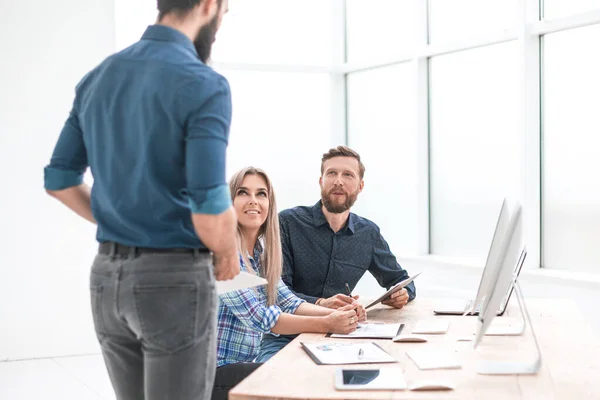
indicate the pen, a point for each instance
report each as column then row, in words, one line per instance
column 348, row 292
column 361, row 353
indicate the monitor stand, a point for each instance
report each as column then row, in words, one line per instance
column 491, row 367
column 515, row 329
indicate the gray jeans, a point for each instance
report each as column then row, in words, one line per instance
column 155, row 317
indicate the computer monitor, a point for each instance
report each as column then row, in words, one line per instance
column 503, row 275
column 471, row 306
column 492, row 261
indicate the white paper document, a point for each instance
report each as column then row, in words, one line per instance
column 243, row 280
column 431, row 326
column 434, row 359
column 346, row 353
column 372, row 331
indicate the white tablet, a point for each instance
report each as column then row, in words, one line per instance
column 393, row 289
column 370, row 379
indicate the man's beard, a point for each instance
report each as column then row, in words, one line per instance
column 334, row 207
column 205, row 39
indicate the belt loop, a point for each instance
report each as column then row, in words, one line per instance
column 196, row 254
column 132, row 252
column 113, row 250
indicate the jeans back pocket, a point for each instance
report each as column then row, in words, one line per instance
column 168, row 315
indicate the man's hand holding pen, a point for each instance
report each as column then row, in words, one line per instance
column 361, row 313
column 341, row 300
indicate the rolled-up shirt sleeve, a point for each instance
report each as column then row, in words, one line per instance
column 287, row 300
column 251, row 311
column 69, row 160
column 207, row 123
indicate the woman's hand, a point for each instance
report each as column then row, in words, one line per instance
column 343, row 320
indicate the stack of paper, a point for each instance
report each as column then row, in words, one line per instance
column 431, row 326
column 241, row 281
column 434, row 359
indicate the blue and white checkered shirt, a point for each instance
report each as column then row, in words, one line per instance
column 244, row 316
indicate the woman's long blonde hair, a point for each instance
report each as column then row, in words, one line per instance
column 271, row 258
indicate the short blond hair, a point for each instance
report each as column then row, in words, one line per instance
column 343, row 151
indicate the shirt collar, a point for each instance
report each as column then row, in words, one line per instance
column 351, row 222
column 319, row 218
column 167, row 34
column 258, row 250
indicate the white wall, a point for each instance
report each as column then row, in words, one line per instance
column 45, row 251
column 132, row 17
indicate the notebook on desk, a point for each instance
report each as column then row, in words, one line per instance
column 371, row 330
column 346, row 353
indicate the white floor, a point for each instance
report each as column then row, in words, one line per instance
column 84, row 377
column 65, row 378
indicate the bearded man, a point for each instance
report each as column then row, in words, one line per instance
column 327, row 248
column 152, row 122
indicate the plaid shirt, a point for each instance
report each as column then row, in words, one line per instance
column 244, row 317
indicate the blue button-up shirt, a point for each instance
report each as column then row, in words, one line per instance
column 152, row 123
column 319, row 262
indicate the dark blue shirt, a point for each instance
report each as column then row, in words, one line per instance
column 152, row 123
column 318, row 262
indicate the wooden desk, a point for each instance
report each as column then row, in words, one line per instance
column 570, row 360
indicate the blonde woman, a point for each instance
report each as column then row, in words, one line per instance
column 245, row 315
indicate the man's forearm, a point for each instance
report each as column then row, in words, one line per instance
column 312, row 310
column 77, row 198
column 218, row 232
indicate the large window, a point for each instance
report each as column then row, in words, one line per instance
column 443, row 99
column 275, row 31
column 562, row 8
column 571, row 189
column 467, row 19
column 382, row 128
column 475, row 146
column 281, row 123
column 380, row 31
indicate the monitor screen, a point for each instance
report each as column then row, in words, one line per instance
column 511, row 250
column 492, row 263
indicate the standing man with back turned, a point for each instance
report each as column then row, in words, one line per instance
column 152, row 123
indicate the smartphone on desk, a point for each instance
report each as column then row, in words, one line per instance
column 387, row 378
